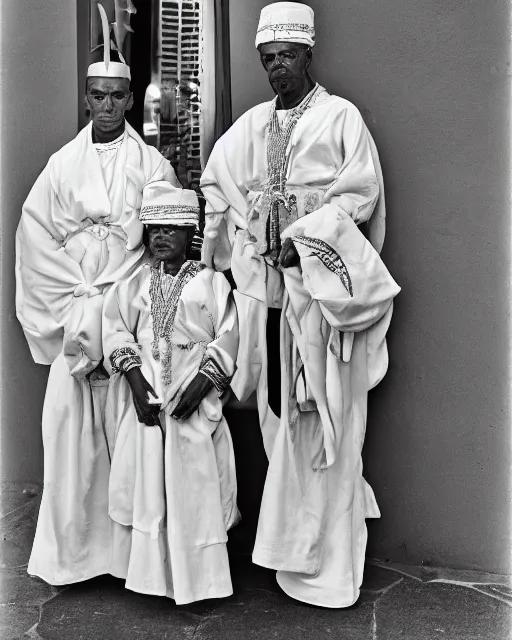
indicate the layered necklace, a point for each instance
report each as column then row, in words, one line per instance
column 165, row 291
column 277, row 162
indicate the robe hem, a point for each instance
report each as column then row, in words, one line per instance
column 222, row 594
column 61, row 583
column 279, row 566
column 312, row 602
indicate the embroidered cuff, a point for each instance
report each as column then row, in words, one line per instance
column 213, row 372
column 124, row 359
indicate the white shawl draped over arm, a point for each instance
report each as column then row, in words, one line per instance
column 342, row 288
column 46, row 276
column 69, row 195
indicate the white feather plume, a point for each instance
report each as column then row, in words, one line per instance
column 106, row 35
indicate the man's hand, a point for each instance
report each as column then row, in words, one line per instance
column 192, row 396
column 146, row 413
column 288, row 256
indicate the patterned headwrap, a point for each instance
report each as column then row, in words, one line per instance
column 164, row 204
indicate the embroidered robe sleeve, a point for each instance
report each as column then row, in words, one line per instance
column 219, row 360
column 120, row 321
column 341, row 270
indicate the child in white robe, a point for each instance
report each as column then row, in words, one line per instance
column 171, row 340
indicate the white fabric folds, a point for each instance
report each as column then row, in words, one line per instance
column 336, row 309
column 174, row 496
column 79, row 233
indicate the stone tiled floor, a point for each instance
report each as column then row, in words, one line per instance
column 397, row 602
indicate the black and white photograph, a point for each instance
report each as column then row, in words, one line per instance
column 255, row 311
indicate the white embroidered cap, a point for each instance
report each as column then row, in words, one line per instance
column 108, row 69
column 286, row 22
column 164, row 204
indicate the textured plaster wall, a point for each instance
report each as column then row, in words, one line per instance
column 38, row 102
column 432, row 81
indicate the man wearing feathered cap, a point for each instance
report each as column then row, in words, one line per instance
column 170, row 341
column 286, row 189
column 80, row 232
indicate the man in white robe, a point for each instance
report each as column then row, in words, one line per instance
column 171, row 337
column 79, row 233
column 286, row 188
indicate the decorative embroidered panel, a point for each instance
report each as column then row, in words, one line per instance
column 329, row 257
column 165, row 291
column 124, row 359
column 291, row 26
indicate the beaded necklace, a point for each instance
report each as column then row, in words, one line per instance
column 165, row 292
column 277, row 162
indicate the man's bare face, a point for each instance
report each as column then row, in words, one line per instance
column 108, row 99
column 286, row 64
column 167, row 242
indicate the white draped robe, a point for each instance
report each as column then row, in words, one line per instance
column 173, row 496
column 79, row 232
column 312, row 520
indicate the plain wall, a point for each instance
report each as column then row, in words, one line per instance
column 38, row 102
column 432, row 82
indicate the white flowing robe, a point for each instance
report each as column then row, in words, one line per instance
column 79, row 232
column 312, row 518
column 173, row 496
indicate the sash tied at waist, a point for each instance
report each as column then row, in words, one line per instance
column 85, row 289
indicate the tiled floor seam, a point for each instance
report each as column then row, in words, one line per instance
column 446, row 574
column 374, row 620
column 381, row 594
column 460, row 583
column 485, row 593
column 385, row 590
column 197, row 633
column 32, row 634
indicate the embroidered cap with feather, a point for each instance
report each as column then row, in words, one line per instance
column 107, row 68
